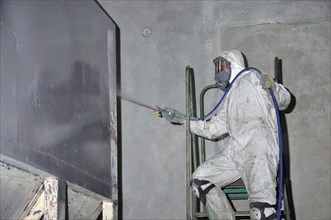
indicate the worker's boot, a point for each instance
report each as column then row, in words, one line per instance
column 262, row 211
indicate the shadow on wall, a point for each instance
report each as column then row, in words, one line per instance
column 119, row 124
column 286, row 155
column 70, row 111
column 288, row 194
column 69, row 95
column 292, row 105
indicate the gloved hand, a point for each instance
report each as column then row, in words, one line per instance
column 266, row 81
column 171, row 115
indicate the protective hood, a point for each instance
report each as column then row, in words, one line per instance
column 236, row 59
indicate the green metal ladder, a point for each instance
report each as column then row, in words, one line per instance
column 235, row 191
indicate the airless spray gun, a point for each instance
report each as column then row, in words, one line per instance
column 170, row 114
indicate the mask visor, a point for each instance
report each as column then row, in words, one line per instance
column 221, row 65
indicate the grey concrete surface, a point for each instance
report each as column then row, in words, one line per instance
column 58, row 109
column 192, row 33
column 58, row 82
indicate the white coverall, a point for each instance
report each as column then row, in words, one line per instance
column 247, row 114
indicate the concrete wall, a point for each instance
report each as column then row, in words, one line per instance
column 192, row 33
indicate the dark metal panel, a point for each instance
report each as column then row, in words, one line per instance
column 56, row 71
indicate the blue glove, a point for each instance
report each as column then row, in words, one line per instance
column 171, row 115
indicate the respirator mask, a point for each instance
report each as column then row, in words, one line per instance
column 222, row 72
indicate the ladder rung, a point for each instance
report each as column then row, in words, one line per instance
column 235, row 191
column 238, row 213
column 242, row 213
column 201, row 215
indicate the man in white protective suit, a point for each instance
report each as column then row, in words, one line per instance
column 248, row 115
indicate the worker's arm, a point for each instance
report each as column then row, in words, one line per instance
column 211, row 129
column 283, row 97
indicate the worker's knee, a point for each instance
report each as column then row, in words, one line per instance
column 201, row 188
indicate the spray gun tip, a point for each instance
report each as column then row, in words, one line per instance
column 158, row 114
column 157, row 111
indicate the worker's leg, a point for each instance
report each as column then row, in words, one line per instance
column 207, row 181
column 259, row 172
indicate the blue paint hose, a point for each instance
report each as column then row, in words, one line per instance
column 226, row 92
column 280, row 137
